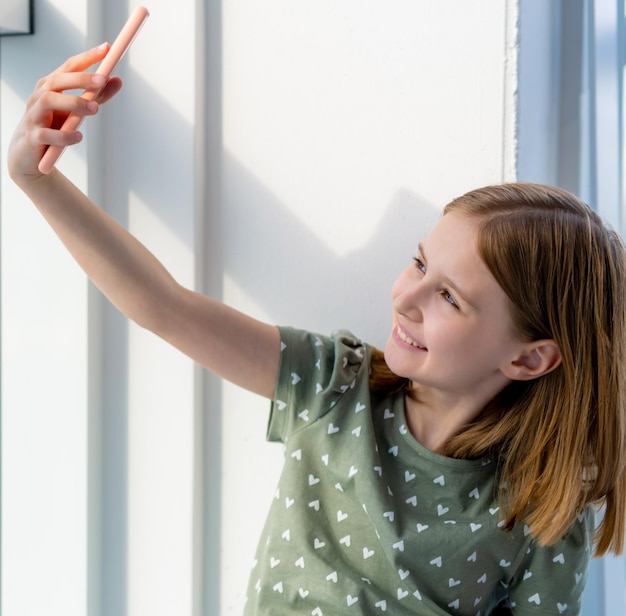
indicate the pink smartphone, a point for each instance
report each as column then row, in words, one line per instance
column 120, row 46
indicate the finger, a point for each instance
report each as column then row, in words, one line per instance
column 49, row 136
column 59, row 82
column 113, row 86
column 84, row 60
column 51, row 103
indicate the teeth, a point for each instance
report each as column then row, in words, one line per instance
column 407, row 339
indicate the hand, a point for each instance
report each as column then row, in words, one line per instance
column 48, row 107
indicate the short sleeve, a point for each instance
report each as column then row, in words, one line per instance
column 551, row 580
column 315, row 372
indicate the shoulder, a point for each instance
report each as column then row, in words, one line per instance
column 316, row 372
column 307, row 357
column 301, row 341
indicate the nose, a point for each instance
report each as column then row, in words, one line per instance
column 409, row 297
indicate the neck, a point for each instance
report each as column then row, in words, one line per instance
column 438, row 414
column 433, row 422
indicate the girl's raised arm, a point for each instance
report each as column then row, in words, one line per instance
column 225, row 341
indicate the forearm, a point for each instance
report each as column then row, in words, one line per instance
column 118, row 264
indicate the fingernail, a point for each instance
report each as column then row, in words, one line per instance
column 102, row 46
column 98, row 80
column 92, row 106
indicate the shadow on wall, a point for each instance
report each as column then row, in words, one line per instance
column 328, row 291
column 258, row 233
column 147, row 121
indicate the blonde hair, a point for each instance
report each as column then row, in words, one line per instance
column 560, row 438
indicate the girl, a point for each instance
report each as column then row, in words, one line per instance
column 458, row 471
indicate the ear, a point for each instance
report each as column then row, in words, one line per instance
column 536, row 359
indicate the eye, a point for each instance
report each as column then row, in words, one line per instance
column 420, row 265
column 449, row 298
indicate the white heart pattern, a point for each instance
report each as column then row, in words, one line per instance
column 353, row 474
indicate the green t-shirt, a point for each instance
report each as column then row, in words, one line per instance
column 365, row 520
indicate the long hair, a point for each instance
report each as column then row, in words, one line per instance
column 560, row 439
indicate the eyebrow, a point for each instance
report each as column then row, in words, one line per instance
column 447, row 281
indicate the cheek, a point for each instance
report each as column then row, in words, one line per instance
column 441, row 334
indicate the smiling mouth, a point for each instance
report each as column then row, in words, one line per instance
column 402, row 335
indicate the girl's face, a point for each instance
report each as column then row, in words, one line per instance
column 452, row 330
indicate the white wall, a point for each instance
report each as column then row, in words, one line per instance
column 288, row 159
column 97, row 442
column 44, row 370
